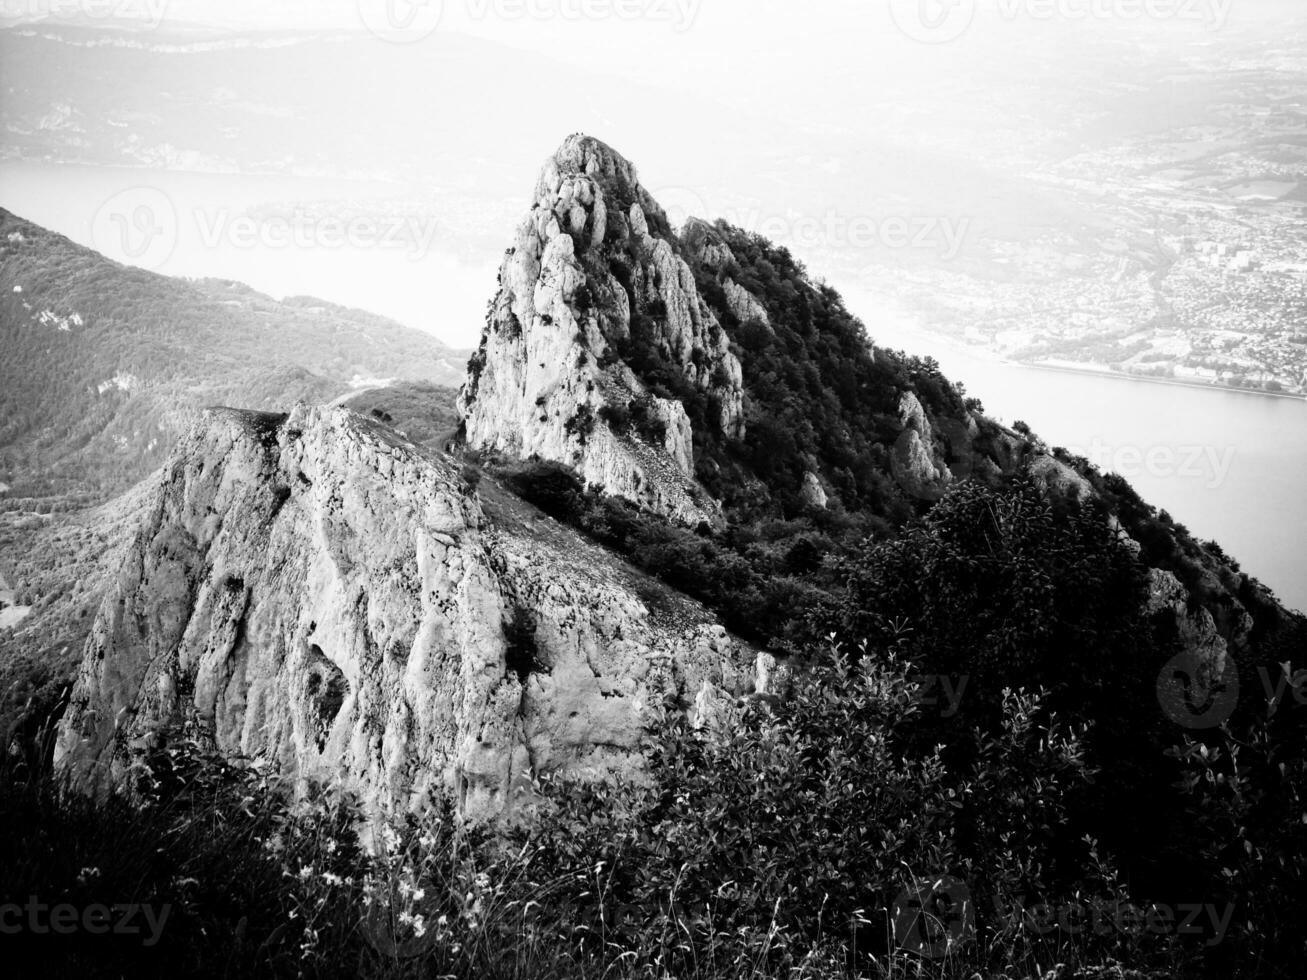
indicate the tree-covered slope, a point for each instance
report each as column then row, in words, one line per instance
column 102, row 365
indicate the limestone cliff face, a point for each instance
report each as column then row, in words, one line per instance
column 314, row 591
column 596, row 272
column 706, row 244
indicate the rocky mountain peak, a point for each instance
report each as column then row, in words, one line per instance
column 596, row 327
column 582, row 155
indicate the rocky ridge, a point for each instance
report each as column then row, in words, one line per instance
column 314, row 591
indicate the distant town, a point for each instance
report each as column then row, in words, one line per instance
column 1182, row 255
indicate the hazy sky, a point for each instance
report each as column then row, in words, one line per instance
column 673, row 40
column 822, row 54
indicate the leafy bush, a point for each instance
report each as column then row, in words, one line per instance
column 582, row 424
column 750, row 586
column 774, row 838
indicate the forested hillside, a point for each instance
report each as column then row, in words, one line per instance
column 102, row 365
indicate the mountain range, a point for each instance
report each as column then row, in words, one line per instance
column 105, row 365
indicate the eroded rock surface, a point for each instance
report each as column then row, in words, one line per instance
column 595, row 272
column 313, row 591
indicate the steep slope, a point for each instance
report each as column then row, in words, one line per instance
column 704, row 376
column 316, row 591
column 59, row 568
column 615, row 346
column 594, row 275
column 321, row 592
column 102, row 366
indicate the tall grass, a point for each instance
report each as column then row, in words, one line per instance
column 773, row 846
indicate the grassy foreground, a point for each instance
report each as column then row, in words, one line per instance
column 818, row 837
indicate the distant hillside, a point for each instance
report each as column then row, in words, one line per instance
column 424, row 413
column 102, row 365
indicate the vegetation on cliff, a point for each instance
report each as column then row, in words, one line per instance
column 1029, row 573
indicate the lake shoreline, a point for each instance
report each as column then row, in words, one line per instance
column 1173, row 382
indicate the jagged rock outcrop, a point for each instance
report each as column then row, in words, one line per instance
column 594, row 279
column 813, row 493
column 315, row 591
column 706, row 244
column 918, row 458
column 1196, row 630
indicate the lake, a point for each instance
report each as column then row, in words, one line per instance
column 269, row 232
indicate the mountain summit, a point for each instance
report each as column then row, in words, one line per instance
column 593, row 289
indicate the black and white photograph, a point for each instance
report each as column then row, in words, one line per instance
column 653, row 489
